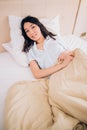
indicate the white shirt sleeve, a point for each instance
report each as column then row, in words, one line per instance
column 30, row 56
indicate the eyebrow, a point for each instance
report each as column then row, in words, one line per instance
column 30, row 26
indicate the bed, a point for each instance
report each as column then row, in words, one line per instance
column 12, row 72
column 15, row 73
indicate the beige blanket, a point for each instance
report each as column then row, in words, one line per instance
column 55, row 103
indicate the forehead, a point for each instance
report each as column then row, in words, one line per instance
column 27, row 25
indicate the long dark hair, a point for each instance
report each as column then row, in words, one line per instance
column 28, row 42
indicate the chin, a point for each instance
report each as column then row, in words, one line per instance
column 36, row 39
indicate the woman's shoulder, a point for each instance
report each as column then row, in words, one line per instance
column 32, row 50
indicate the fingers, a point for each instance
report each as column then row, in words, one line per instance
column 64, row 56
column 71, row 53
column 60, row 59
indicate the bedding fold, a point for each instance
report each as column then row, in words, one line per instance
column 27, row 107
column 68, row 87
column 55, row 103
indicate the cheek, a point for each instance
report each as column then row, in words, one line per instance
column 28, row 35
column 39, row 32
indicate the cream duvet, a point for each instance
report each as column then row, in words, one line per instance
column 55, row 103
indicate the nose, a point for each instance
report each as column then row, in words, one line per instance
column 31, row 32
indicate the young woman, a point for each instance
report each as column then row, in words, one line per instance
column 44, row 49
column 55, row 103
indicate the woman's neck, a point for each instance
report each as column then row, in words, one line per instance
column 40, row 40
column 40, row 43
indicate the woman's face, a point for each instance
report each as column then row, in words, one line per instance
column 32, row 31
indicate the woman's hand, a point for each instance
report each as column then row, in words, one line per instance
column 65, row 55
column 65, row 58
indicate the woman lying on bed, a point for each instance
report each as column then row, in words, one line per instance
column 43, row 48
column 58, row 99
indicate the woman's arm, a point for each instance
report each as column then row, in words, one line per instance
column 40, row 73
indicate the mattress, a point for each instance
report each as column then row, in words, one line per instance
column 11, row 72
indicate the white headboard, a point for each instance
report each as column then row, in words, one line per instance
column 40, row 8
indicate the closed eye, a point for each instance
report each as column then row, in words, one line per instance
column 26, row 31
column 33, row 27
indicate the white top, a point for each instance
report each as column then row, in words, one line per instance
column 49, row 55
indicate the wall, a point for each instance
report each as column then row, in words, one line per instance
column 39, row 8
column 81, row 23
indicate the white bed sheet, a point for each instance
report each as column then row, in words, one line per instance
column 11, row 72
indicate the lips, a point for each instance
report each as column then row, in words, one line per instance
column 34, row 36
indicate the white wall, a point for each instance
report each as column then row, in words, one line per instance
column 81, row 24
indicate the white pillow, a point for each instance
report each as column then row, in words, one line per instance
column 17, row 39
column 52, row 24
column 19, row 56
column 73, row 42
column 16, row 45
